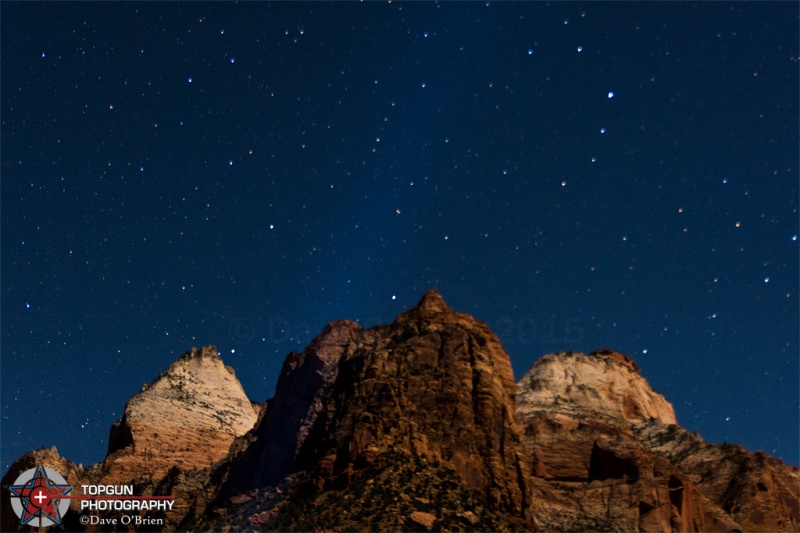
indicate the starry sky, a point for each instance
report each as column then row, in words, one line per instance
column 577, row 175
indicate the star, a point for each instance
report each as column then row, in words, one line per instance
column 40, row 497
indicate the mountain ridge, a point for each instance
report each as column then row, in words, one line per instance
column 419, row 425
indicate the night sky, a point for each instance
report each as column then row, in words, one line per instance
column 578, row 176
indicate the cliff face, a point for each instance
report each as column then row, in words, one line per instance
column 434, row 386
column 757, row 491
column 187, row 418
column 572, row 405
column 418, row 425
column 607, row 454
column 301, row 405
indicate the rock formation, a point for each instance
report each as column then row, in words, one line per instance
column 187, row 418
column 418, row 425
column 300, row 406
column 607, row 454
column 434, row 386
column 757, row 491
column 606, row 386
column 170, row 435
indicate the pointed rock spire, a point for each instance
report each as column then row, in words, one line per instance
column 432, row 302
column 188, row 416
column 431, row 306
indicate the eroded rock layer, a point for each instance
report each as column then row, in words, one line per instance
column 607, row 454
column 187, row 418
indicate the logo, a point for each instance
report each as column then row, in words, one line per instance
column 38, row 497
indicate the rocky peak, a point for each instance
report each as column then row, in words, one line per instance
column 605, row 385
column 431, row 308
column 431, row 304
column 209, row 352
column 326, row 347
column 170, row 435
column 617, row 357
column 574, row 408
column 302, row 398
column 187, row 418
column 435, row 385
column 595, row 429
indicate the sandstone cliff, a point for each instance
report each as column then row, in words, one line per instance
column 607, row 455
column 433, row 387
column 187, row 418
column 757, row 491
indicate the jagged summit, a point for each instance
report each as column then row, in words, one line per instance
column 187, row 417
column 355, row 394
column 432, row 302
column 432, row 314
column 431, row 307
column 209, row 351
column 618, row 357
column 360, row 402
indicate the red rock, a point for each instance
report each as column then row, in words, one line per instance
column 421, row 520
column 759, row 492
column 434, row 384
column 607, row 454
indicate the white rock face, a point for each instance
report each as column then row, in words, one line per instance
column 187, row 418
column 197, row 391
column 603, row 385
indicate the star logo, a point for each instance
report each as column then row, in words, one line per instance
column 38, row 494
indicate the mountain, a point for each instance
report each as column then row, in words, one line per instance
column 187, row 418
column 607, row 455
column 433, row 389
column 419, row 425
column 169, row 436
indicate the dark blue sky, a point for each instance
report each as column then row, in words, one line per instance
column 579, row 176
